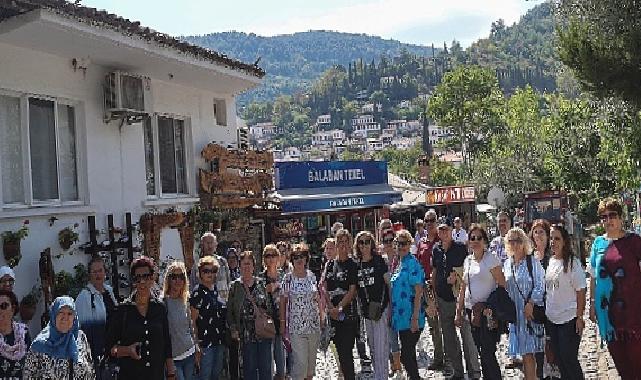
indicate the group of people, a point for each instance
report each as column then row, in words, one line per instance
column 230, row 315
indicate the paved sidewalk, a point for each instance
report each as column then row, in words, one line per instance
column 595, row 360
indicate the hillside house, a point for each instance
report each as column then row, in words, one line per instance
column 100, row 116
column 324, row 121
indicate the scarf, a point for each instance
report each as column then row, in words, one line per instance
column 52, row 342
column 18, row 350
column 603, row 288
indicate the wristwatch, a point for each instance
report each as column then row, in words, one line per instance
column 340, row 308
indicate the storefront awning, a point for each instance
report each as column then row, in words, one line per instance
column 299, row 200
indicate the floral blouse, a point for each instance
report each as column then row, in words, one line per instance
column 43, row 367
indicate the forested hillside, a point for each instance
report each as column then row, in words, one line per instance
column 294, row 61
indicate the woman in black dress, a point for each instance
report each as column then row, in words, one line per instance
column 139, row 334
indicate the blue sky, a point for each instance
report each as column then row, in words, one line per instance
column 412, row 21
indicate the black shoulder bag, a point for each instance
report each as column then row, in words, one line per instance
column 374, row 309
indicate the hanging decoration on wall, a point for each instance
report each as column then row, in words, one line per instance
column 151, row 225
column 238, row 179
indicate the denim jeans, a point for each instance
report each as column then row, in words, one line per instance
column 257, row 360
column 185, row 368
column 279, row 356
column 565, row 344
column 211, row 362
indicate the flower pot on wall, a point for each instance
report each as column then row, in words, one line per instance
column 11, row 250
column 66, row 244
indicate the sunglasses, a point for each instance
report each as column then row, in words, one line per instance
column 609, row 216
column 364, row 242
column 515, row 241
column 4, row 305
column 142, row 277
column 476, row 238
column 388, row 240
column 176, row 276
column 430, row 220
column 209, row 271
column 297, row 257
column 402, row 243
column 270, row 256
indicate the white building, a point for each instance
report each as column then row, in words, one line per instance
column 264, row 130
column 374, row 144
column 403, row 143
column 60, row 158
column 438, row 133
column 363, row 124
column 291, row 153
column 324, row 121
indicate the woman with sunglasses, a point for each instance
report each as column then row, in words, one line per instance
column 176, row 300
column 408, row 315
column 208, row 315
column 482, row 274
column 565, row 303
column 14, row 338
column 272, row 276
column 138, row 335
column 341, row 281
column 241, row 317
column 615, row 299
column 540, row 240
column 61, row 350
column 526, row 337
column 373, row 294
column 300, row 316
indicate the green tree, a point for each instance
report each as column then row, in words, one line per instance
column 469, row 101
column 599, row 40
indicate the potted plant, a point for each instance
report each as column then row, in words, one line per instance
column 29, row 303
column 11, row 244
column 67, row 236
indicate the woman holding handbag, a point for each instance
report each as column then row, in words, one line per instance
column 482, row 274
column 525, row 279
column 373, row 293
column 250, row 320
column 272, row 275
column 300, row 316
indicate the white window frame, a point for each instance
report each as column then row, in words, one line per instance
column 79, row 126
column 189, row 160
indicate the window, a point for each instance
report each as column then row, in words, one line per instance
column 38, row 151
column 220, row 112
column 165, row 156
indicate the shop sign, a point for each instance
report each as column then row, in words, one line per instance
column 328, row 204
column 314, row 174
column 450, row 194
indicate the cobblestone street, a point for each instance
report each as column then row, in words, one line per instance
column 595, row 360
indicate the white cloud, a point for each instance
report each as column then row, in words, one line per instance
column 387, row 17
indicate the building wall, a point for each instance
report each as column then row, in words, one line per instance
column 111, row 162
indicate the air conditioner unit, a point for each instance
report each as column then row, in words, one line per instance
column 127, row 96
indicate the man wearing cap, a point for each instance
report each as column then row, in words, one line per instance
column 447, row 263
column 208, row 246
column 7, row 278
column 458, row 233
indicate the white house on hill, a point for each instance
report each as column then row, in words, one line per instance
column 100, row 116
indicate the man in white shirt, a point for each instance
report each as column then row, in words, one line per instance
column 208, row 246
column 497, row 245
column 458, row 233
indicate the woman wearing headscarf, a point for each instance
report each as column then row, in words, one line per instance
column 615, row 299
column 139, row 333
column 525, row 280
column 61, row 350
column 14, row 338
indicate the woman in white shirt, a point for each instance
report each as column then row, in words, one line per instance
column 482, row 274
column 565, row 302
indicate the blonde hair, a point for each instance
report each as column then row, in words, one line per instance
column 406, row 234
column 270, row 247
column 343, row 232
column 518, row 233
column 181, row 267
column 367, row 234
column 329, row 240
